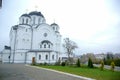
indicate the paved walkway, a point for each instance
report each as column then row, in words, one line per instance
column 22, row 72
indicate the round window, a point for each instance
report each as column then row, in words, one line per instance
column 45, row 34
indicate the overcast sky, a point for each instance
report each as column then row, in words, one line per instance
column 93, row 24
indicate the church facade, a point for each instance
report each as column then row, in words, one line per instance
column 33, row 37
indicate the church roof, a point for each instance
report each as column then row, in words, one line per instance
column 7, row 47
column 36, row 13
column 26, row 15
column 15, row 27
column 46, row 41
column 54, row 24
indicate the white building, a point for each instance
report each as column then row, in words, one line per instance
column 33, row 37
column 100, row 56
column 5, row 54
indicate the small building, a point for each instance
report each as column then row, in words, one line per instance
column 100, row 56
column 5, row 54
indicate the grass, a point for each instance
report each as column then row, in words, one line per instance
column 94, row 73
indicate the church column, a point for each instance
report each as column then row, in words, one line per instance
column 14, row 28
column 25, row 57
column 36, row 57
column 31, row 37
column 49, row 57
column 56, row 56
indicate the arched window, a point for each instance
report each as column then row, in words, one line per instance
column 39, row 57
column 49, row 46
column 23, row 39
column 44, row 45
column 53, row 28
column 26, row 21
column 33, row 20
column 52, row 57
column 39, row 21
column 46, row 57
column 56, row 28
column 23, row 21
column 26, row 30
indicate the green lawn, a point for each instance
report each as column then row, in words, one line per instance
column 95, row 73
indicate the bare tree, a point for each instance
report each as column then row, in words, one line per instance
column 69, row 47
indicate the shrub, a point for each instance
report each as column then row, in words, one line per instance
column 45, row 64
column 117, row 62
column 112, row 66
column 78, row 63
column 63, row 64
column 66, row 62
column 108, row 62
column 40, row 63
column 57, row 63
column 90, row 64
column 102, row 65
column 105, row 61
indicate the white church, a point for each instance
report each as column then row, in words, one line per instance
column 33, row 37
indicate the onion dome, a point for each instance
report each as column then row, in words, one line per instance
column 54, row 24
column 55, row 27
column 25, row 15
column 15, row 27
column 36, row 13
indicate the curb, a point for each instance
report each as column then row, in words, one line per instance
column 73, row 75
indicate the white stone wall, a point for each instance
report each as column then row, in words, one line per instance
column 19, row 57
column 25, row 42
column 12, row 38
column 38, row 35
column 29, row 57
column 23, row 20
column 43, row 57
column 5, row 56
